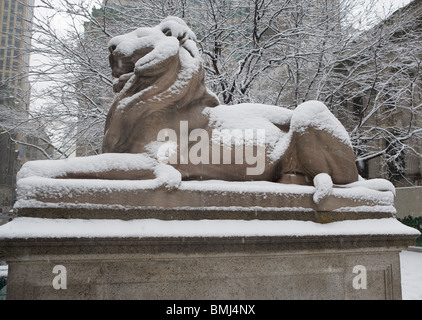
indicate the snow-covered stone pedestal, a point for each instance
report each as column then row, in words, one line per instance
column 250, row 267
column 86, row 239
column 86, row 232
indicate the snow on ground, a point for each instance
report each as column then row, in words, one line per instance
column 411, row 275
column 3, row 271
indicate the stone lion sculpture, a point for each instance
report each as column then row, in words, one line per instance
column 163, row 109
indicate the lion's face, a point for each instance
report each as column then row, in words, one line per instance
column 121, row 64
column 160, row 81
column 144, row 50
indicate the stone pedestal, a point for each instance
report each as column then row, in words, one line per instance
column 207, row 268
column 268, row 248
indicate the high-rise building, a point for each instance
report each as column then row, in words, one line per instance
column 16, row 19
column 15, row 26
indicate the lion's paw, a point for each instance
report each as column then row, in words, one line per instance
column 323, row 187
column 168, row 176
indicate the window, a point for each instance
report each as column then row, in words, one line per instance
column 3, row 41
column 6, row 4
column 1, row 64
column 4, row 16
column 1, row 53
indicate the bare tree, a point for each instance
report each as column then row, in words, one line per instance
column 378, row 91
column 280, row 52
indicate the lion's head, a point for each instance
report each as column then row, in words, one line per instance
column 157, row 70
column 146, row 52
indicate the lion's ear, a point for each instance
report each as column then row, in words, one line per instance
column 169, row 33
column 181, row 37
column 175, row 27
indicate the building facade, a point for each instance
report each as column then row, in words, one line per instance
column 16, row 18
column 384, row 103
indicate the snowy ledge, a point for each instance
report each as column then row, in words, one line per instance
column 49, row 184
column 364, row 189
column 46, row 177
column 38, row 192
column 25, row 228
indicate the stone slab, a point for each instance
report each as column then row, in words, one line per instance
column 408, row 202
column 194, row 194
column 195, row 200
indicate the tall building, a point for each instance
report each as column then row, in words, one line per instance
column 16, row 22
column 8, row 157
column 16, row 19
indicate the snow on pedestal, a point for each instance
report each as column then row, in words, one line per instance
column 151, row 228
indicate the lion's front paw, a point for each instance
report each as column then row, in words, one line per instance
column 168, row 176
column 323, row 186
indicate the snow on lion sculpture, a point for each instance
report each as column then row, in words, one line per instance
column 164, row 126
column 161, row 93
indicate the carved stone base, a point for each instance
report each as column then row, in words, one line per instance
column 320, row 267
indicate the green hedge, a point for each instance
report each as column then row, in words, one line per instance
column 414, row 222
column 3, row 283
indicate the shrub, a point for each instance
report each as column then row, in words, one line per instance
column 414, row 222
